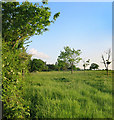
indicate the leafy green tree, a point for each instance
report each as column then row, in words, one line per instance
column 70, row 56
column 62, row 65
column 94, row 66
column 19, row 23
column 52, row 67
column 37, row 65
column 70, row 68
column 86, row 63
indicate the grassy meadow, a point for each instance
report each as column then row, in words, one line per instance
column 64, row 95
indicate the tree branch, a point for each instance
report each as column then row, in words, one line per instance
column 104, row 61
column 19, row 40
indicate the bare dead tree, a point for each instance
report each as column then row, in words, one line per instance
column 86, row 63
column 107, row 61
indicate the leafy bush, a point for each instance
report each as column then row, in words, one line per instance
column 12, row 83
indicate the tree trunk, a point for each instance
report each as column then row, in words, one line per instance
column 107, row 71
column 84, row 69
column 72, row 68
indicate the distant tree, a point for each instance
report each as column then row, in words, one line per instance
column 70, row 56
column 62, row 65
column 74, row 67
column 37, row 65
column 78, row 69
column 86, row 63
column 107, row 61
column 94, row 66
column 51, row 67
column 56, row 66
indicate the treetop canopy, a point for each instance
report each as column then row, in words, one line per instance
column 20, row 21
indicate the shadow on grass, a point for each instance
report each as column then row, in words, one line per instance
column 62, row 79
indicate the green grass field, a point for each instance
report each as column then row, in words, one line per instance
column 65, row 95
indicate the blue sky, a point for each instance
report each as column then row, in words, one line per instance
column 81, row 25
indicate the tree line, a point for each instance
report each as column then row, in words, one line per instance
column 66, row 61
column 39, row 65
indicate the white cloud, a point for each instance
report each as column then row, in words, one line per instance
column 37, row 54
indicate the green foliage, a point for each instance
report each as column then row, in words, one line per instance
column 78, row 69
column 62, row 65
column 74, row 68
column 94, row 66
column 45, row 1
column 62, row 95
column 70, row 56
column 52, row 67
column 19, row 23
column 37, row 65
column 56, row 16
column 12, row 83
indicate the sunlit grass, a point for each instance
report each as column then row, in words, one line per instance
column 65, row 95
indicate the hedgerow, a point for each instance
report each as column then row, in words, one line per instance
column 12, row 83
column 20, row 21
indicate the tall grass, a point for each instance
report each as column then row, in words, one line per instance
column 65, row 95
